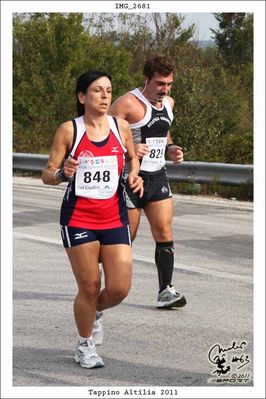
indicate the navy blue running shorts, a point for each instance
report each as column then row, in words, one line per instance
column 73, row 236
column 156, row 188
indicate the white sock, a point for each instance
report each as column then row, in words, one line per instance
column 82, row 339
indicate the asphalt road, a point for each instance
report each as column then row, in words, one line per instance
column 143, row 346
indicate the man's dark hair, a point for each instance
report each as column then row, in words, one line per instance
column 160, row 64
column 84, row 82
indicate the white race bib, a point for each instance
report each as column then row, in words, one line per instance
column 97, row 177
column 155, row 160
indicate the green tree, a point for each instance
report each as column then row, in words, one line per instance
column 234, row 38
column 197, row 124
column 49, row 52
column 235, row 144
column 47, row 56
column 213, row 96
column 140, row 34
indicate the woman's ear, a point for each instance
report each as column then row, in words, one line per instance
column 81, row 97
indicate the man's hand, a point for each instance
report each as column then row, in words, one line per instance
column 175, row 153
column 135, row 183
column 141, row 150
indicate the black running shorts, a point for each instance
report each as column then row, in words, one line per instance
column 73, row 236
column 156, row 188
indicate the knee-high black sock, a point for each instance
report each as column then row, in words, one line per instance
column 164, row 259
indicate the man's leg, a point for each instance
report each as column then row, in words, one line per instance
column 134, row 219
column 160, row 215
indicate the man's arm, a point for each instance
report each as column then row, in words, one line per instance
column 125, row 107
column 120, row 107
column 169, row 138
column 174, row 152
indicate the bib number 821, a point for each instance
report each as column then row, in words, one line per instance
column 98, row 176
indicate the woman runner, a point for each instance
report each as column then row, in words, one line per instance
column 93, row 149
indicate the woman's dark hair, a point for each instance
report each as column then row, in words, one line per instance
column 84, row 82
column 160, row 64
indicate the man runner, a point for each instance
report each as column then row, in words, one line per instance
column 148, row 110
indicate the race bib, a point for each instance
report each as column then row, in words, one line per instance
column 155, row 160
column 97, row 177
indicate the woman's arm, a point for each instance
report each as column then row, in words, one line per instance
column 55, row 173
column 135, row 181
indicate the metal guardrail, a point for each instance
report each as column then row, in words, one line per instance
column 208, row 172
column 196, row 172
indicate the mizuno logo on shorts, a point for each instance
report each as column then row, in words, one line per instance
column 78, row 236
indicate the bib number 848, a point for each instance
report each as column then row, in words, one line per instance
column 98, row 176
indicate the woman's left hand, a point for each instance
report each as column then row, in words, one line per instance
column 136, row 183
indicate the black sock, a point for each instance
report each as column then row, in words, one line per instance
column 164, row 259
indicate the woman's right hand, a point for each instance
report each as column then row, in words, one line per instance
column 70, row 167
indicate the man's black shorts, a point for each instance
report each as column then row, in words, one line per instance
column 156, row 188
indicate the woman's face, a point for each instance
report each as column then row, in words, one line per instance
column 98, row 96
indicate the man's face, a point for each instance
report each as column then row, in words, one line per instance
column 159, row 86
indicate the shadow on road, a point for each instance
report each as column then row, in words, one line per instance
column 41, row 367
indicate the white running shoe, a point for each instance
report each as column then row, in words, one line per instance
column 87, row 356
column 170, row 298
column 97, row 329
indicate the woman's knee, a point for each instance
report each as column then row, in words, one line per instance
column 117, row 294
column 119, row 291
column 89, row 289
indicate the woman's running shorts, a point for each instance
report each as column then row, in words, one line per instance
column 73, row 236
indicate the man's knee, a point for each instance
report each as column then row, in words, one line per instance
column 162, row 232
column 134, row 219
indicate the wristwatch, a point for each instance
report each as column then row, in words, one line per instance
column 61, row 176
column 169, row 145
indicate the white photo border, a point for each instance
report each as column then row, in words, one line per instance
column 7, row 10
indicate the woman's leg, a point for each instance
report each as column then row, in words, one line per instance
column 117, row 264
column 84, row 262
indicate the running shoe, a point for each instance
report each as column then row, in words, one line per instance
column 87, row 356
column 97, row 329
column 170, row 298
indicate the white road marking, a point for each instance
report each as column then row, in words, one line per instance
column 178, row 266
